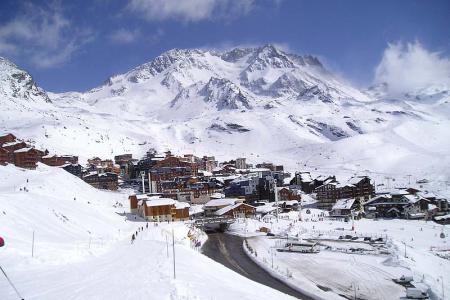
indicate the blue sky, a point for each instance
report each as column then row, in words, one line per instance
column 67, row 46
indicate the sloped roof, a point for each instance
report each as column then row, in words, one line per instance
column 221, row 202
column 226, row 209
column 344, row 203
column 159, row 202
column 23, row 150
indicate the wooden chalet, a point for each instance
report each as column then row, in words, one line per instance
column 57, row 161
column 359, row 187
column 123, row 159
column 286, row 194
column 7, row 138
column 106, row 181
column 27, row 158
column 161, row 209
column 214, row 205
column 345, row 207
column 13, row 146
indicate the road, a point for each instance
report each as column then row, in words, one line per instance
column 228, row 250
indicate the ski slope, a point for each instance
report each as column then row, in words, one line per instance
column 82, row 247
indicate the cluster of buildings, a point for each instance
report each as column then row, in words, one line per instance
column 23, row 155
column 357, row 197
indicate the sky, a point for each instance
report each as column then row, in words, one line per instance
column 71, row 47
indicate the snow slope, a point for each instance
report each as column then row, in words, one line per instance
column 83, row 251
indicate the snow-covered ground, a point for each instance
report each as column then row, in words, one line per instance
column 82, row 247
column 335, row 272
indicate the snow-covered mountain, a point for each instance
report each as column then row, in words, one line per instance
column 262, row 103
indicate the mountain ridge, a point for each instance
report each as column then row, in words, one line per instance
column 285, row 107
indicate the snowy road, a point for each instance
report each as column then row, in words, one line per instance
column 227, row 250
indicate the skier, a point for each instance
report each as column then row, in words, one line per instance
column 146, row 226
column 132, row 238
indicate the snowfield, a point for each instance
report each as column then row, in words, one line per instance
column 83, row 250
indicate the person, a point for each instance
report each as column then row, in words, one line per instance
column 146, row 226
column 132, row 238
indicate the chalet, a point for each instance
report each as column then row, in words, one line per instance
column 57, row 161
column 162, row 210
column 304, row 181
column 74, row 169
column 7, row 138
column 13, row 146
column 285, row 194
column 417, row 207
column 238, row 210
column 356, row 187
column 182, row 211
column 4, row 157
column 399, row 204
column 134, row 200
column 345, row 207
column 123, row 159
column 106, row 181
column 27, row 158
column 327, row 194
column 214, row 205
column 385, row 206
column 441, row 203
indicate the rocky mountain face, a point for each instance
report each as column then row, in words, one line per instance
column 256, row 102
column 18, row 84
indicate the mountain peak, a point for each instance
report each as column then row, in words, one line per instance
column 17, row 83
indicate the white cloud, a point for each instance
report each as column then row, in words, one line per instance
column 190, row 10
column 43, row 35
column 409, row 67
column 124, row 36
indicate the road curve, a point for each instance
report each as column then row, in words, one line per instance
column 228, row 250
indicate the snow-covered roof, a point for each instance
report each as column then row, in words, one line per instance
column 221, row 202
column 399, row 192
column 160, row 201
column 217, row 196
column 226, row 209
column 266, row 208
column 23, row 150
column 181, row 205
column 344, row 204
column 141, row 197
column 11, row 143
column 355, row 179
column 305, row 176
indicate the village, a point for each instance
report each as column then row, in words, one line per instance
column 270, row 207
column 209, row 186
